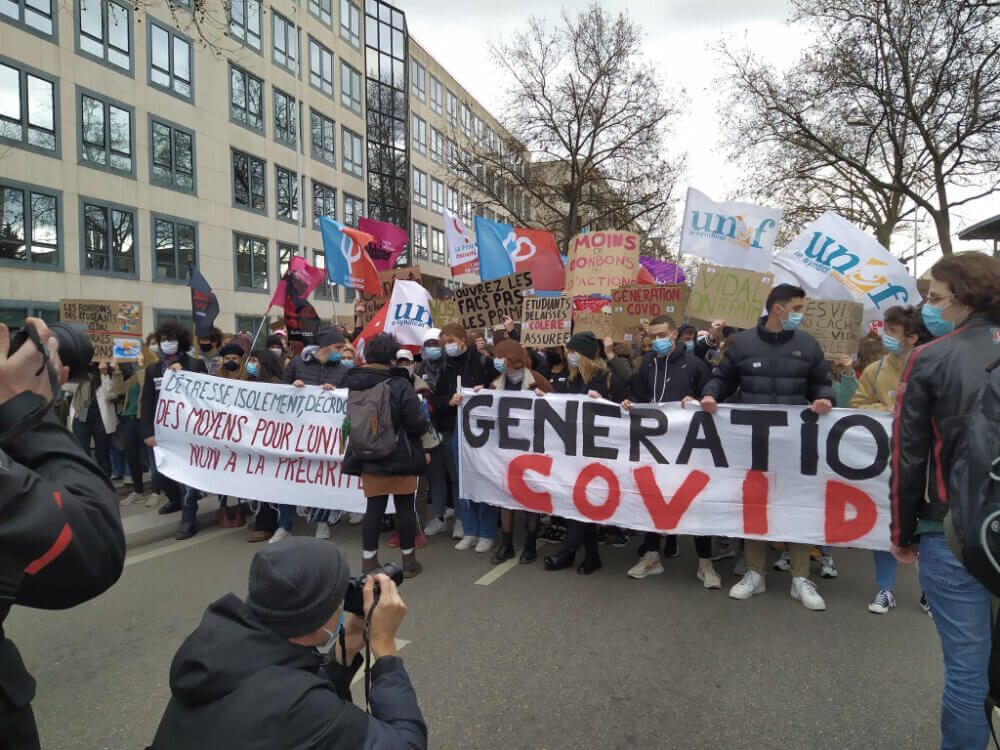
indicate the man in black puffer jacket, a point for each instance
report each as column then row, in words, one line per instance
column 775, row 364
column 250, row 677
column 319, row 366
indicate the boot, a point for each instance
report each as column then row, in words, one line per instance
column 186, row 530
column 169, row 508
column 561, row 559
column 411, row 568
column 591, row 562
column 369, row 564
column 528, row 554
column 506, row 549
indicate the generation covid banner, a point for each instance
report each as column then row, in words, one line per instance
column 765, row 472
column 273, row 443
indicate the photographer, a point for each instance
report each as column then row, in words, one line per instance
column 61, row 540
column 250, row 675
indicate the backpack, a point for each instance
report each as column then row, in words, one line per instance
column 371, row 433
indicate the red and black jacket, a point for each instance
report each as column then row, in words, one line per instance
column 933, row 403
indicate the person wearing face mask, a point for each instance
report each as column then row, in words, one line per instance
column 349, row 356
column 252, row 674
column 276, row 345
column 208, row 350
column 432, row 360
column 933, row 401
column 441, row 474
column 775, row 363
column 263, row 366
column 231, row 362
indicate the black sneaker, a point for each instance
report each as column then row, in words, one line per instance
column 670, row 550
column 554, row 534
column 603, row 535
column 619, row 538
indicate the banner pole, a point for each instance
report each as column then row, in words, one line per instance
column 458, row 427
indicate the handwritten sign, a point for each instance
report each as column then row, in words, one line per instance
column 633, row 306
column 600, row 262
column 730, row 294
column 484, row 305
column 109, row 323
column 836, row 325
column 443, row 312
column 545, row 321
column 601, row 326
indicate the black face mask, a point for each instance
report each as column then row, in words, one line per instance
column 553, row 358
column 206, row 348
column 126, row 371
column 232, row 366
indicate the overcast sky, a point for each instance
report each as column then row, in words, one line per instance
column 680, row 39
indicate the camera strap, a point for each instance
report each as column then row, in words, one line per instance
column 368, row 651
column 37, row 415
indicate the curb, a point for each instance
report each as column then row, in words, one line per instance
column 147, row 528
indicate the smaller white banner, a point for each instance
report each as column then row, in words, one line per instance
column 729, row 233
column 463, row 252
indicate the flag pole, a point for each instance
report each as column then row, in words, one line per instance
column 261, row 326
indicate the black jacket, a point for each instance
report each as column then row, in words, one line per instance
column 237, row 685
column 933, row 402
column 151, row 389
column 408, row 419
column 609, row 385
column 474, row 369
column 430, row 370
column 771, row 368
column 311, row 371
column 61, row 540
column 659, row 379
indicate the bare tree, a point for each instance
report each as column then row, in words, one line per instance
column 585, row 122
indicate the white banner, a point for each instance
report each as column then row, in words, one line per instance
column 463, row 252
column 274, row 443
column 733, row 234
column 778, row 473
column 833, row 259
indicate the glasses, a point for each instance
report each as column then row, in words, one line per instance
column 934, row 299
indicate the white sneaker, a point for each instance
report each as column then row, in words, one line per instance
column 355, row 519
column 322, row 530
column 783, row 563
column 648, row 565
column 449, row 513
column 278, row 535
column 827, row 568
column 484, row 544
column 467, row 542
column 882, row 603
column 154, row 499
column 707, row 575
column 128, row 481
column 435, row 526
column 458, row 532
column 132, row 497
column 805, row 591
column 751, row 583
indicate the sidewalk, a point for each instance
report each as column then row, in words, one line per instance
column 145, row 525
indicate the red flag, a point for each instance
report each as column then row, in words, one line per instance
column 375, row 326
column 308, row 277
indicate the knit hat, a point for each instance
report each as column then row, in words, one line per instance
column 231, row 348
column 329, row 336
column 585, row 343
column 297, row 585
column 432, row 334
column 685, row 328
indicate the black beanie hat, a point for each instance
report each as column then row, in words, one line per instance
column 585, row 343
column 297, row 585
column 231, row 348
column 329, row 336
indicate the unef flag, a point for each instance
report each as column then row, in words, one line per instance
column 732, row 234
column 463, row 254
column 204, row 303
column 347, row 262
column 504, row 249
column 407, row 315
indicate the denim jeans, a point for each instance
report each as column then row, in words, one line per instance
column 93, row 429
column 286, row 515
column 119, row 467
column 962, row 615
column 478, row 519
column 154, row 476
column 442, row 476
column 885, row 570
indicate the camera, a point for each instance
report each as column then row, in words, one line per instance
column 354, row 599
column 75, row 351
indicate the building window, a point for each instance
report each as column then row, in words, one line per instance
column 323, row 10
column 354, row 209
column 252, row 325
column 451, row 108
column 324, row 137
column 286, row 194
column 249, row 183
column 285, row 43
column 420, row 240
column 437, row 246
column 320, row 67
column 435, row 95
column 353, row 154
column 477, row 129
column 437, row 196
column 28, row 108
column 418, row 80
column 175, row 245
column 171, row 156
column 452, row 156
column 420, row 188
column 35, row 16
column 466, row 121
column 319, row 261
column 251, row 263
column 13, row 313
column 437, row 146
column 286, row 120
column 419, row 135
column 350, row 22
column 106, row 133
column 30, row 226
column 245, row 23
column 108, row 238
column 350, row 88
column 324, row 202
column 452, row 201
column 105, row 32
column 246, row 99
column 466, row 209
column 171, row 61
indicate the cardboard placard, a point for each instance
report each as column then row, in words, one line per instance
column 836, row 325
column 484, row 305
column 602, row 327
column 443, row 312
column 730, row 294
column 374, row 302
column 600, row 262
column 633, row 306
column 114, row 328
column 546, row 321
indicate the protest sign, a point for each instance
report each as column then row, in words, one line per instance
column 484, row 305
column 105, row 321
column 375, row 302
column 601, row 326
column 545, row 321
column 592, row 304
column 443, row 312
column 600, row 262
column 633, row 306
column 836, row 325
column 738, row 235
column 730, row 294
column 759, row 472
column 257, row 441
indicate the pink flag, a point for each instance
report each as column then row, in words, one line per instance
column 309, row 277
column 390, row 242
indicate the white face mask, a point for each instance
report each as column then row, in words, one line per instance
column 168, row 347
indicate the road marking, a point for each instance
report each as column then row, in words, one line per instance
column 499, row 570
column 360, row 675
column 198, row 539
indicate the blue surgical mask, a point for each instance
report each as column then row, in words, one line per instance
column 432, row 353
column 347, row 363
column 452, row 349
column 499, row 364
column 252, row 369
column 574, row 359
column 934, row 322
column 891, row 344
column 793, row 322
column 334, row 357
column 662, row 346
column 335, row 633
column 689, row 345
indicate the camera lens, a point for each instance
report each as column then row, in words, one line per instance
column 75, row 350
